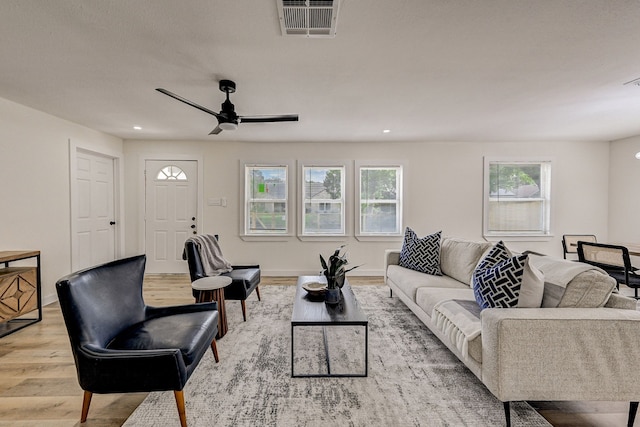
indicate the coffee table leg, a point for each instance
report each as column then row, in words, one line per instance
column 218, row 296
column 326, row 349
column 292, row 374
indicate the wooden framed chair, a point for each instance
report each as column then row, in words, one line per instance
column 244, row 278
column 570, row 242
column 614, row 259
column 122, row 345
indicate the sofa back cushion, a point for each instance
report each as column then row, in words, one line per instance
column 573, row 284
column 458, row 258
column 590, row 289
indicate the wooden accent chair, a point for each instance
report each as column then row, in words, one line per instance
column 122, row 345
column 244, row 278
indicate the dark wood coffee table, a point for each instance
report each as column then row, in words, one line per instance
column 308, row 311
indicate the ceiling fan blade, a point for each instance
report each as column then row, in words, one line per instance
column 216, row 131
column 265, row 119
column 186, row 101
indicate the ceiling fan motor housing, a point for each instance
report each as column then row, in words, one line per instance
column 227, row 86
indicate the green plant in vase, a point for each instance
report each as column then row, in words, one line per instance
column 335, row 271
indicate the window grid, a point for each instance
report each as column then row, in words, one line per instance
column 380, row 200
column 323, row 200
column 517, row 198
column 266, row 197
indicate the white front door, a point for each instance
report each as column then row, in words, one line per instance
column 170, row 212
column 94, row 234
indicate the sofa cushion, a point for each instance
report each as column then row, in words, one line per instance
column 421, row 254
column 573, row 284
column 181, row 331
column 590, row 289
column 427, row 298
column 502, row 280
column 410, row 280
column 459, row 321
column 459, row 258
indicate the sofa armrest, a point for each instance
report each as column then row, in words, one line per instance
column 391, row 257
column 561, row 353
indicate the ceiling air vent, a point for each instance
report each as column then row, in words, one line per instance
column 308, row 18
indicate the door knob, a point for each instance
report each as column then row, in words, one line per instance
column 193, row 218
column 112, row 223
column 193, row 226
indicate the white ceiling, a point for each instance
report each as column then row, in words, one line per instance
column 429, row 70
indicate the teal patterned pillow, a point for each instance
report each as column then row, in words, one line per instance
column 421, row 254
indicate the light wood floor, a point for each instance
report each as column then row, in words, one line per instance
column 38, row 385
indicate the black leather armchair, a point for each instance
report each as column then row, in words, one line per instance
column 122, row 345
column 244, row 278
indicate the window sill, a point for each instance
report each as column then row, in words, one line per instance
column 266, row 237
column 519, row 237
column 380, row 238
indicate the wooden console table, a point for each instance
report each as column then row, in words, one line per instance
column 20, row 292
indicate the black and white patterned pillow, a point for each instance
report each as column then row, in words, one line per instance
column 421, row 254
column 498, row 278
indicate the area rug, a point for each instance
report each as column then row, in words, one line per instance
column 413, row 380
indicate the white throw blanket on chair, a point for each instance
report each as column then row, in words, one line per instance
column 213, row 263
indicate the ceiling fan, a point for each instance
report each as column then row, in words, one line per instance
column 227, row 117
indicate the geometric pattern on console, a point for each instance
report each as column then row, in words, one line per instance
column 17, row 293
column 421, row 254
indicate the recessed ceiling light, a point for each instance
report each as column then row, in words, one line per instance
column 638, row 155
column 137, row 128
column 386, row 130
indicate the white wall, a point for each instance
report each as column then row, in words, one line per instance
column 443, row 183
column 624, row 190
column 34, row 177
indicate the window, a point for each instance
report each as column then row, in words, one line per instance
column 323, row 200
column 266, row 200
column 380, row 200
column 171, row 172
column 517, row 198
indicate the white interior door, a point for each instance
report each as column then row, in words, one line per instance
column 170, row 212
column 94, row 237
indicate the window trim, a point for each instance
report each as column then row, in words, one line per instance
column 400, row 201
column 244, row 232
column 302, row 201
column 518, row 235
column 346, row 196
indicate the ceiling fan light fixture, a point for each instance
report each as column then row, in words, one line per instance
column 228, row 126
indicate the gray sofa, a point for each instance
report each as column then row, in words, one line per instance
column 582, row 344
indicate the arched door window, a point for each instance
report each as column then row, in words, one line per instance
column 171, row 173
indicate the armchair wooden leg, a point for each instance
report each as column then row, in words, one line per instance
column 86, row 401
column 244, row 310
column 258, row 292
column 179, row 394
column 214, row 347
